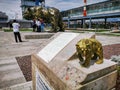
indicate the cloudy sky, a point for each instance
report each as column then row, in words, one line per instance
column 12, row 7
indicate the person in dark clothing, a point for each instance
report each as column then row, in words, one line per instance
column 34, row 25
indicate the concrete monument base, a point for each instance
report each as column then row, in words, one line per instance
column 71, row 76
column 55, row 68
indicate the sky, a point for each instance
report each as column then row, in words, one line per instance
column 13, row 10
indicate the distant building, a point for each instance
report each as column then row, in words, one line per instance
column 104, row 13
column 3, row 19
column 3, row 16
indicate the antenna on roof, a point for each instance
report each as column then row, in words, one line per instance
column 42, row 2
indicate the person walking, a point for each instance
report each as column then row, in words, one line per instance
column 16, row 31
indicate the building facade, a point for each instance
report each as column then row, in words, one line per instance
column 3, row 19
column 103, row 12
column 3, row 16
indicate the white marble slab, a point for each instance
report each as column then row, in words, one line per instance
column 53, row 48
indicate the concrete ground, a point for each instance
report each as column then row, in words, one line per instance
column 10, row 73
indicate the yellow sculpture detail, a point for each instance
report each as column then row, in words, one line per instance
column 88, row 49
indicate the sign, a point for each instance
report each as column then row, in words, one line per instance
column 53, row 48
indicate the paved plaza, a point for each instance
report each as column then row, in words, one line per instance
column 10, row 72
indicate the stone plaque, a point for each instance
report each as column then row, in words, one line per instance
column 41, row 83
column 53, row 48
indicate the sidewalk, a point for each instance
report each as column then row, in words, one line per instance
column 10, row 73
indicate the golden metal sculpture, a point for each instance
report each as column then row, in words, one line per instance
column 89, row 49
column 48, row 14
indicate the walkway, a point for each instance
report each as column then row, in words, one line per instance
column 10, row 73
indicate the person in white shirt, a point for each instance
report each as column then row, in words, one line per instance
column 16, row 31
column 38, row 23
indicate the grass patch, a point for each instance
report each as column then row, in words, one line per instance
column 77, row 30
column 98, row 31
column 21, row 29
column 110, row 34
column 89, row 30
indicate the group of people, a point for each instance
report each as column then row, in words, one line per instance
column 38, row 24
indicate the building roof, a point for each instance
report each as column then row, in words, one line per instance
column 108, row 15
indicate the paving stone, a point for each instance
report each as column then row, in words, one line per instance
column 22, row 86
column 9, row 49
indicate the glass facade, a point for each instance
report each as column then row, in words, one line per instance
column 97, row 15
column 108, row 6
column 93, row 9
